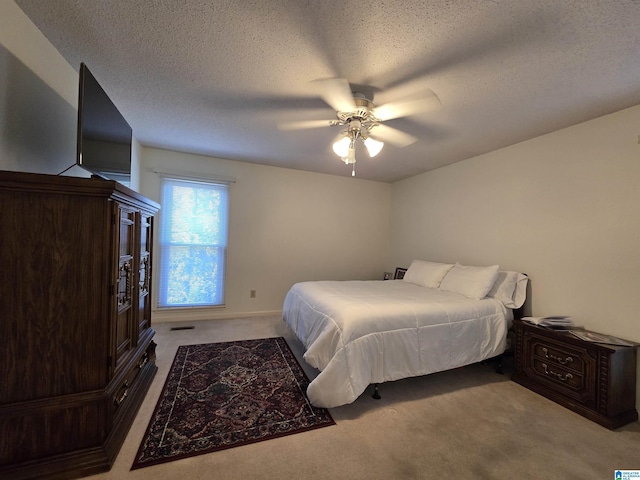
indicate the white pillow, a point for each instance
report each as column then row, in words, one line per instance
column 510, row 288
column 472, row 282
column 426, row 274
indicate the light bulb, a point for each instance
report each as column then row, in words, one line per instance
column 341, row 147
column 373, row 146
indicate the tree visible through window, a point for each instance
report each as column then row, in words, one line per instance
column 192, row 243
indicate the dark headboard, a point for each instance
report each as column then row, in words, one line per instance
column 525, row 309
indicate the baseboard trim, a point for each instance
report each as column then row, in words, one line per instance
column 185, row 315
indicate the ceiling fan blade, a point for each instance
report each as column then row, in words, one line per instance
column 391, row 135
column 337, row 93
column 408, row 106
column 303, row 124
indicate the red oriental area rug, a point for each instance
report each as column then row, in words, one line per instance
column 223, row 395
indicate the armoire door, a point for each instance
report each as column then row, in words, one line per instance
column 144, row 275
column 125, row 328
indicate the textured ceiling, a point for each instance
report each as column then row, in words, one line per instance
column 216, row 77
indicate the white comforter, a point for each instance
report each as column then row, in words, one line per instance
column 362, row 332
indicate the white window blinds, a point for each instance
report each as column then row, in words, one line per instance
column 192, row 243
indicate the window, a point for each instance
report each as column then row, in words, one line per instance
column 192, row 243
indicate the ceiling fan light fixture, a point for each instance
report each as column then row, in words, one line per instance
column 356, row 111
column 373, row 146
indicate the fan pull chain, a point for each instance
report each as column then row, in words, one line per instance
column 353, row 172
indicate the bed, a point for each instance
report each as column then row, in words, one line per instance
column 438, row 317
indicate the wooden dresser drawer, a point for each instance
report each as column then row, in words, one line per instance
column 559, row 366
column 595, row 380
column 560, row 355
column 121, row 392
column 121, row 388
column 570, row 383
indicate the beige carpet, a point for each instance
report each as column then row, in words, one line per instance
column 469, row 423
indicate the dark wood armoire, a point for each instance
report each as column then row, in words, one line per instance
column 75, row 322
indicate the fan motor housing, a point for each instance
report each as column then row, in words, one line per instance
column 362, row 112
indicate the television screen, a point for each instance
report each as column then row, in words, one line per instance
column 104, row 136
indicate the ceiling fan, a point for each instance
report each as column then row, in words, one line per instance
column 363, row 119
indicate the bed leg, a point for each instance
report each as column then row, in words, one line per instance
column 376, row 394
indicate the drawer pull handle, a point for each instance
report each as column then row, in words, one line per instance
column 143, row 361
column 118, row 401
column 123, row 283
column 559, row 376
column 551, row 356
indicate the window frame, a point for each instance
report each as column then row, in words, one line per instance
column 161, row 300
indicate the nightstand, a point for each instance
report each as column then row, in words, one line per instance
column 595, row 380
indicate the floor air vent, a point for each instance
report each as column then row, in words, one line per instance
column 182, row 328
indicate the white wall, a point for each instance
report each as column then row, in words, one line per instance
column 38, row 98
column 285, row 226
column 38, row 101
column 563, row 208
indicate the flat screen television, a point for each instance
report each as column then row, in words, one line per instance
column 104, row 136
